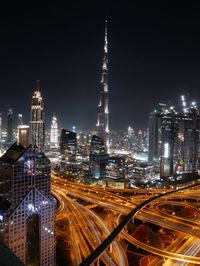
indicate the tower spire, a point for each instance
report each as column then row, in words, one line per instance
column 103, row 113
column 105, row 38
column 37, row 85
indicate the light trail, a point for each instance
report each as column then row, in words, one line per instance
column 119, row 204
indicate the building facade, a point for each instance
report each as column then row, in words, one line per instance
column 169, row 142
column 23, row 135
column 9, row 139
column 68, row 144
column 54, row 133
column 97, row 158
column 154, row 136
column 174, row 139
column 37, row 130
column 102, row 125
column 28, row 217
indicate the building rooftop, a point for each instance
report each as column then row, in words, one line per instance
column 13, row 153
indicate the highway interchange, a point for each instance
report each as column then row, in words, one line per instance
column 86, row 227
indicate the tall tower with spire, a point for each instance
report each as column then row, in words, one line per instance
column 103, row 113
column 37, row 119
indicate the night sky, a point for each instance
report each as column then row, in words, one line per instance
column 154, row 56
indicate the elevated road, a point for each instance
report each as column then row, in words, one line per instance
column 101, row 248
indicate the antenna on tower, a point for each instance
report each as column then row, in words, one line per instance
column 37, row 86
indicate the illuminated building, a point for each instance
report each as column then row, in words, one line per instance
column 103, row 112
column 140, row 139
column 191, row 138
column 98, row 157
column 23, row 135
column 9, row 139
column 0, row 128
column 54, row 132
column 20, row 119
column 169, row 142
column 68, row 144
column 174, row 138
column 116, row 167
column 131, row 137
column 154, row 135
column 37, row 119
column 27, row 216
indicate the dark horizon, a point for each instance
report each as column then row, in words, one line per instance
column 154, row 56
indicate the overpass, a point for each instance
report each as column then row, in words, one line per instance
column 101, row 248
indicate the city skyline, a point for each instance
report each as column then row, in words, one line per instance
column 99, row 133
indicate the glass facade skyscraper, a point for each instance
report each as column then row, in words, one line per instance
column 98, row 158
column 27, row 218
column 68, row 144
column 174, row 139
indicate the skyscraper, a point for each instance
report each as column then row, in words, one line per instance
column 68, row 144
column 131, row 137
column 54, row 132
column 27, row 207
column 9, row 126
column 174, row 138
column 191, row 138
column 19, row 119
column 169, row 142
column 0, row 128
column 103, row 112
column 154, row 136
column 23, row 135
column 98, row 158
column 37, row 119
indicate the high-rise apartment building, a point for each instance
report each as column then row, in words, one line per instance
column 103, row 112
column 68, row 144
column 98, row 158
column 37, row 119
column 27, row 213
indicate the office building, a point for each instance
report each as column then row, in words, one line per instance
column 68, row 144
column 174, row 139
column 154, row 136
column 191, row 120
column 169, row 142
column 98, row 158
column 28, row 210
column 116, row 167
